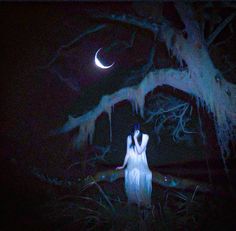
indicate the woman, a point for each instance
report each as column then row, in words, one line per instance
column 138, row 177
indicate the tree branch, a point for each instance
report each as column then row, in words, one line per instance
column 126, row 44
column 135, row 95
column 164, row 31
column 72, row 42
column 191, row 25
column 157, row 178
column 91, row 161
column 143, row 70
column 172, row 110
column 215, row 45
column 114, row 175
column 132, row 20
column 220, row 28
column 72, row 83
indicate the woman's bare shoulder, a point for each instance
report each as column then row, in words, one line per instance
column 129, row 138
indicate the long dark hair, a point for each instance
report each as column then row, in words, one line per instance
column 135, row 127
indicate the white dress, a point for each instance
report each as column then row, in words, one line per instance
column 138, row 177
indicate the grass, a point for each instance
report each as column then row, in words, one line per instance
column 97, row 207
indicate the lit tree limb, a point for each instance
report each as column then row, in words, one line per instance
column 135, row 95
column 216, row 95
column 114, row 175
column 157, row 178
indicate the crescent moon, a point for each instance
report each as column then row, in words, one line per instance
column 99, row 63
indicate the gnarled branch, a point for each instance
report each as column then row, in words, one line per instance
column 157, row 178
column 72, row 42
column 170, row 109
column 135, row 95
column 220, row 28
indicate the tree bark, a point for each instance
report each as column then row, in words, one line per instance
column 157, row 178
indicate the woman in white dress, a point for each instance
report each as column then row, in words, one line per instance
column 138, row 177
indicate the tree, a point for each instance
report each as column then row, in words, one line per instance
column 196, row 74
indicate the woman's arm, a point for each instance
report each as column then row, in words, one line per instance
column 125, row 162
column 129, row 140
column 142, row 147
